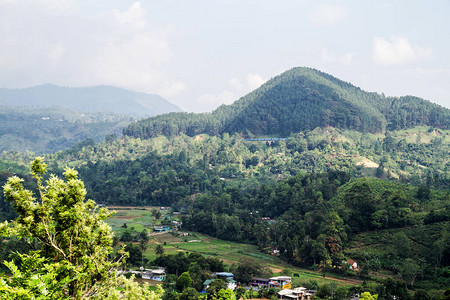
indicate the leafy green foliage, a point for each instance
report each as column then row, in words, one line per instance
column 181, row 262
column 183, row 281
column 73, row 261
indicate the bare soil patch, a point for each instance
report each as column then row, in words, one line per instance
column 275, row 270
column 367, row 163
column 198, row 138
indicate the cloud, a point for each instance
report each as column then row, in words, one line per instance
column 251, row 82
column 331, row 57
column 237, row 88
column 170, row 89
column 134, row 17
column 53, row 43
column 327, row 15
column 396, row 51
column 225, row 97
column 254, row 81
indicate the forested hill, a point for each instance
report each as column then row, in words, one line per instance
column 89, row 99
column 297, row 100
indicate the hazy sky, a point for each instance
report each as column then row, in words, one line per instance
column 201, row 53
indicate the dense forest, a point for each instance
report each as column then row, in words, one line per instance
column 298, row 100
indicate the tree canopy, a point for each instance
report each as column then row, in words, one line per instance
column 73, row 261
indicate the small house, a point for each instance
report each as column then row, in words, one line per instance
column 157, row 275
column 161, row 228
column 352, row 264
column 299, row 293
column 282, row 282
column 259, row 282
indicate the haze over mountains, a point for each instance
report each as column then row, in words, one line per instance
column 50, row 118
column 89, row 99
column 297, row 100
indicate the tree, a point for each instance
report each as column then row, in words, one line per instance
column 183, row 282
column 76, row 242
column 410, row 270
column 156, row 213
column 226, row 295
column 402, row 244
column 189, row 294
column 368, row 296
column 246, row 269
column 170, row 294
column 195, row 271
column 159, row 250
column 214, row 288
column 142, row 246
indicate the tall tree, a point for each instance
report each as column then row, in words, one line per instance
column 159, row 250
column 76, row 242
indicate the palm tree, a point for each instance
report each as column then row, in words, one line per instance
column 159, row 250
column 143, row 247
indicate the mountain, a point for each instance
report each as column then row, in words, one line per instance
column 89, row 99
column 46, row 130
column 50, row 118
column 297, row 100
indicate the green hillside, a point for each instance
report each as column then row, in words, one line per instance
column 298, row 100
column 161, row 171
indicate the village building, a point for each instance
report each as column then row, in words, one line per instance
column 299, row 293
column 258, row 282
column 352, row 264
column 157, row 274
column 282, row 282
column 161, row 228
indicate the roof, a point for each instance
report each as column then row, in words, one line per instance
column 285, row 292
column 260, row 279
column 226, row 274
column 281, row 278
column 298, row 290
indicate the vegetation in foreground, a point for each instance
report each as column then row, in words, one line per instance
column 71, row 259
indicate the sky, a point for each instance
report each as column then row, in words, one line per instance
column 200, row 54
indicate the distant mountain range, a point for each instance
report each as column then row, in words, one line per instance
column 297, row 100
column 89, row 99
column 49, row 118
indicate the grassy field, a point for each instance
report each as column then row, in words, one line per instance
column 141, row 218
column 138, row 218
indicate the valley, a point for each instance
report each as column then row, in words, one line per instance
column 302, row 177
